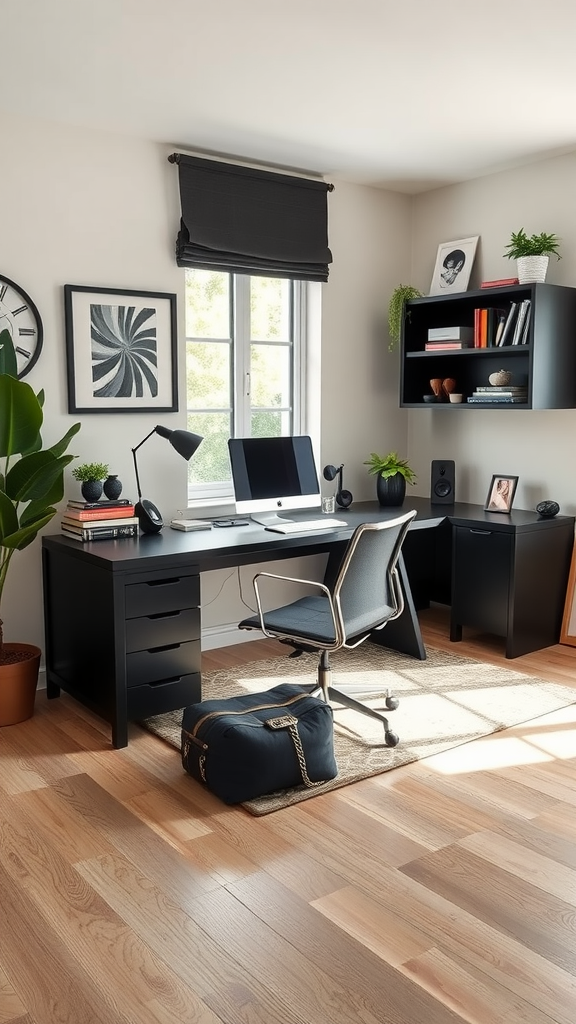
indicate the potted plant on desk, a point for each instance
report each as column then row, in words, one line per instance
column 90, row 476
column 392, row 474
column 31, row 484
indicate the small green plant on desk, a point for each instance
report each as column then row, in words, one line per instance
column 88, row 471
column 389, row 465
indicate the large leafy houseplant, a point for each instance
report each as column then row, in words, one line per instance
column 31, row 476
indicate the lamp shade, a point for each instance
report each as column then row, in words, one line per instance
column 183, row 441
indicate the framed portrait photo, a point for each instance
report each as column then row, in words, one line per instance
column 453, row 266
column 120, row 350
column 501, row 493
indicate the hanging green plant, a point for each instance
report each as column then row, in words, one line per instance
column 399, row 298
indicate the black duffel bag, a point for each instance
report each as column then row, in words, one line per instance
column 243, row 747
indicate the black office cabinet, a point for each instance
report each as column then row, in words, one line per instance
column 123, row 642
column 546, row 364
column 510, row 579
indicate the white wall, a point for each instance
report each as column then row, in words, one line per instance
column 93, row 208
column 538, row 446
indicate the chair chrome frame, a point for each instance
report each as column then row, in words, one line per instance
column 341, row 639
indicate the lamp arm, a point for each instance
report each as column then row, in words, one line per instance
column 134, row 450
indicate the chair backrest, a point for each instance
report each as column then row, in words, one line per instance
column 367, row 591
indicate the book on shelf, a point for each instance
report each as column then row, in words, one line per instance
column 502, row 389
column 520, row 321
column 446, row 346
column 89, row 524
column 476, row 398
column 116, row 503
column 99, row 514
column 500, row 283
column 450, row 333
column 506, row 334
column 100, row 532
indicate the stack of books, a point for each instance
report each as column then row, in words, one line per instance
column 99, row 520
column 516, row 325
column 449, row 338
column 500, row 395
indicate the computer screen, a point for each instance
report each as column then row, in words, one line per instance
column 272, row 474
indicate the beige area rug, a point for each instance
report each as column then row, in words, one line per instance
column 444, row 701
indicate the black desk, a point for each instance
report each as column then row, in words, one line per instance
column 122, row 618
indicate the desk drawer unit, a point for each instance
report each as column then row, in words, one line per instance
column 162, row 644
column 124, row 643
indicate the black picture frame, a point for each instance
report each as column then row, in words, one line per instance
column 121, row 350
column 501, row 493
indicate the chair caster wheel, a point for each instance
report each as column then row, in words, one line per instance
column 392, row 740
column 392, row 703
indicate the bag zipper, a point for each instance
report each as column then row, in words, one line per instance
column 246, row 711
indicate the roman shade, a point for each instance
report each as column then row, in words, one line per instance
column 248, row 221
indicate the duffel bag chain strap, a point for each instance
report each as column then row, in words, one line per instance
column 291, row 723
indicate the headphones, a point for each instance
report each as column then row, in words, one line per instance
column 343, row 498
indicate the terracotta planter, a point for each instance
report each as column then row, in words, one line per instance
column 18, row 682
column 391, row 490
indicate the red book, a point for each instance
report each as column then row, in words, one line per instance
column 91, row 515
column 501, row 283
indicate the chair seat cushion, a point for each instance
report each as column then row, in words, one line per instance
column 309, row 618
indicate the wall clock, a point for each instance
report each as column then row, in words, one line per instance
column 19, row 316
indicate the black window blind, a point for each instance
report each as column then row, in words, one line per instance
column 249, row 221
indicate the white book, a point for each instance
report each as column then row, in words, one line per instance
column 522, row 313
column 191, row 524
column 450, row 333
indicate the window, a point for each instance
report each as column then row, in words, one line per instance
column 244, row 359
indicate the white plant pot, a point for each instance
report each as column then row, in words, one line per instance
column 532, row 269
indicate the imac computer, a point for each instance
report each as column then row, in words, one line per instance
column 273, row 474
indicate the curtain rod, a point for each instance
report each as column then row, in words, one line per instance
column 174, row 158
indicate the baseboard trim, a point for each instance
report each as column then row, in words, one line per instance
column 227, row 636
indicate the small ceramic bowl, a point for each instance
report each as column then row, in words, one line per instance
column 430, row 398
column 454, row 398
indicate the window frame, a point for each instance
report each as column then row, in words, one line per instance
column 221, row 492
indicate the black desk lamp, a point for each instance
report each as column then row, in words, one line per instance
column 185, row 443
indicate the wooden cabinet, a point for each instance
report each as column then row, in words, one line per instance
column 125, row 642
column 546, row 364
column 509, row 577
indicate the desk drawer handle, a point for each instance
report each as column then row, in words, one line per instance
column 167, row 647
column 164, row 615
column 166, row 682
column 482, row 533
column 163, row 583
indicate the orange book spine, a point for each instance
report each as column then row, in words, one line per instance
column 477, row 313
column 90, row 515
column 483, row 328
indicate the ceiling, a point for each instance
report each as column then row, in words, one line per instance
column 408, row 95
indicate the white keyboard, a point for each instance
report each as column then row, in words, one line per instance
column 306, row 526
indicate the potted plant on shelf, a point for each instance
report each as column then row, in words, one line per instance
column 398, row 300
column 91, row 476
column 30, row 487
column 392, row 474
column 532, row 254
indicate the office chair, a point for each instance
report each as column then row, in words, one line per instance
column 366, row 594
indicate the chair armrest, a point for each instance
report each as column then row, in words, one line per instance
column 313, row 584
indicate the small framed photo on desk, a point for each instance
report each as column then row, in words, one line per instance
column 501, row 493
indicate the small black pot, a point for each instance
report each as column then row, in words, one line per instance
column 112, row 487
column 391, row 490
column 91, row 490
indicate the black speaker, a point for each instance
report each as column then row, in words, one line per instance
column 442, row 484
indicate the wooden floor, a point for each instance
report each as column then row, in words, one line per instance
column 443, row 891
